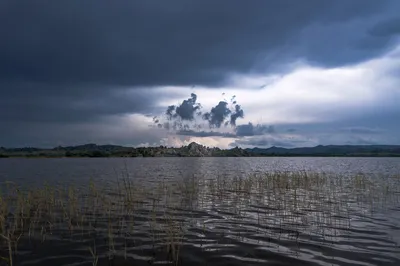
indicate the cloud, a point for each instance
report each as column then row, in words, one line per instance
column 151, row 44
column 205, row 134
column 386, row 27
column 321, row 105
column 24, row 104
column 60, row 76
column 283, row 141
column 218, row 114
column 251, row 130
column 322, row 136
column 188, row 115
column 355, row 99
column 130, row 130
column 362, row 130
column 238, row 113
column 239, row 131
column 186, row 110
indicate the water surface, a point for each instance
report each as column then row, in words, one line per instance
column 76, row 170
column 219, row 211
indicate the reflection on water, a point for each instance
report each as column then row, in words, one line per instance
column 201, row 211
column 80, row 170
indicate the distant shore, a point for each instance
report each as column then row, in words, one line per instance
column 197, row 150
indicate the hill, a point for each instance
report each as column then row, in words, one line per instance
column 197, row 150
column 93, row 150
column 331, row 150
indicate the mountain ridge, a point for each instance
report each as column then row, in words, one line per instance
column 331, row 150
column 197, row 150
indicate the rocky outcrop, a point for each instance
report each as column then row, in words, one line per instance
column 194, row 149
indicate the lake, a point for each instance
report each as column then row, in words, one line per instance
column 201, row 211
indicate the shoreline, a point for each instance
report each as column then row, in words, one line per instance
column 252, row 156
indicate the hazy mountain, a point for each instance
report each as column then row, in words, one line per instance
column 331, row 150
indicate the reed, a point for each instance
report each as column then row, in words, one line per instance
column 94, row 255
column 285, row 204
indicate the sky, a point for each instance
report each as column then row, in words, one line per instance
column 226, row 73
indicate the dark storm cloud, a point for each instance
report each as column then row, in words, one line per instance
column 253, row 130
column 170, row 112
column 193, row 133
column 23, row 104
column 368, row 131
column 381, row 34
column 362, row 130
column 362, row 141
column 186, row 110
column 218, row 114
column 386, row 27
column 265, row 142
column 182, row 116
column 63, row 62
column 155, row 43
column 238, row 113
column 240, row 131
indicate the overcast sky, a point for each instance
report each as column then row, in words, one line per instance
column 228, row 73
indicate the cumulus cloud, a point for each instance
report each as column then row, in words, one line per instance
column 187, row 116
column 218, row 114
column 238, row 113
column 186, row 110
